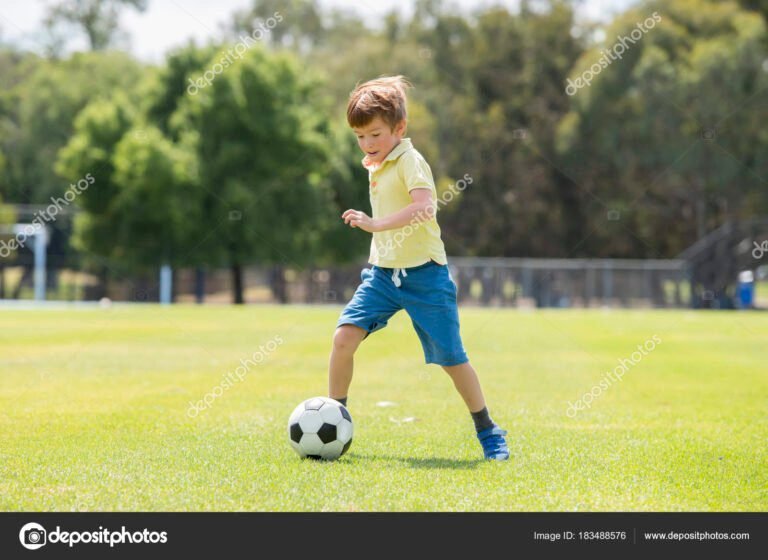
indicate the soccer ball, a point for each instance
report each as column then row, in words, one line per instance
column 320, row 428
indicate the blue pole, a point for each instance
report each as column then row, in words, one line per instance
column 39, row 274
column 166, row 277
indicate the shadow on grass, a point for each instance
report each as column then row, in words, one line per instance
column 423, row 463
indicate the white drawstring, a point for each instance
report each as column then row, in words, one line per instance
column 396, row 278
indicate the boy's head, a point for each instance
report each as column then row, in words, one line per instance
column 377, row 114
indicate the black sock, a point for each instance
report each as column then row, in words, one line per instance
column 482, row 419
column 342, row 401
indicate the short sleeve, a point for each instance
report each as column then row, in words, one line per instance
column 415, row 172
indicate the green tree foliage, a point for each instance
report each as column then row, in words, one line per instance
column 497, row 96
column 98, row 131
column 98, row 19
column 164, row 89
column 300, row 24
column 760, row 6
column 38, row 115
column 260, row 141
column 158, row 203
column 667, row 135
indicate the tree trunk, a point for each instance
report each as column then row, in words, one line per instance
column 237, row 283
column 102, row 289
column 199, row 285
column 277, row 280
column 26, row 275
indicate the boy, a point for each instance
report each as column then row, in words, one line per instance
column 409, row 264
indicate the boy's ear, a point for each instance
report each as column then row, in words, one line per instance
column 401, row 127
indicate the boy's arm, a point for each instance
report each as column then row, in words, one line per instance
column 422, row 209
column 416, row 175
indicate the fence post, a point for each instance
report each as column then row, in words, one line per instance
column 607, row 281
column 166, row 277
column 589, row 282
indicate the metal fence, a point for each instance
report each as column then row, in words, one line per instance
column 481, row 281
column 702, row 276
column 571, row 282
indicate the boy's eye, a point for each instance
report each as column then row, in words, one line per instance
column 376, row 135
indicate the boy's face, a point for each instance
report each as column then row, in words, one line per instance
column 377, row 139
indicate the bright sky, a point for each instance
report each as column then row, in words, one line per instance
column 168, row 23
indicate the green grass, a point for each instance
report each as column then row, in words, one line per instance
column 94, row 413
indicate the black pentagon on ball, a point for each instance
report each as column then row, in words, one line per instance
column 314, row 457
column 296, row 432
column 313, row 404
column 327, row 433
column 346, row 446
column 345, row 413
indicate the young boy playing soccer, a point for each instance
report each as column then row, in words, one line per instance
column 410, row 268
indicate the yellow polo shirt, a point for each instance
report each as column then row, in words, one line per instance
column 389, row 185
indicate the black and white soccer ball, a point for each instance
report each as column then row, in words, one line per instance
column 320, row 428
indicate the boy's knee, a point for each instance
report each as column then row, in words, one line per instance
column 347, row 338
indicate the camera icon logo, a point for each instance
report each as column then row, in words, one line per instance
column 32, row 536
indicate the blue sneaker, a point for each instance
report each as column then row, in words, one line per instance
column 494, row 445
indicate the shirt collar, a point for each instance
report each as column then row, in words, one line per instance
column 397, row 151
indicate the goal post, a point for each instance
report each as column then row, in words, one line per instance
column 20, row 235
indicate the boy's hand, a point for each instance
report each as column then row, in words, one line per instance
column 356, row 218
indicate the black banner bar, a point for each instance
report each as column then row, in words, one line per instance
column 312, row 535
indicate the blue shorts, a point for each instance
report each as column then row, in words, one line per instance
column 428, row 295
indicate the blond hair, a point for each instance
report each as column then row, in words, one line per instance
column 383, row 97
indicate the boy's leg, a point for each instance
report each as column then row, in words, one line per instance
column 490, row 435
column 429, row 296
column 468, row 385
column 346, row 339
column 374, row 303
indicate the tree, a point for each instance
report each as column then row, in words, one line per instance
column 495, row 89
column 145, row 203
column 38, row 105
column 261, row 143
column 162, row 91
column 299, row 27
column 97, row 18
column 7, row 217
column 98, row 130
column 157, row 207
column 668, row 136
column 758, row 6
column 39, row 112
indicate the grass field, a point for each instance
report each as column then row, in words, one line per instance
column 94, row 412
